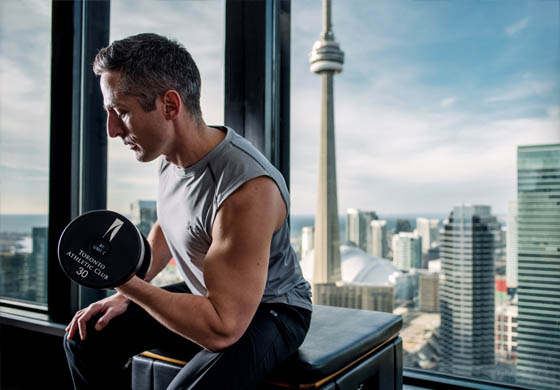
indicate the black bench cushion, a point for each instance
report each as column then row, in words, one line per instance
column 337, row 337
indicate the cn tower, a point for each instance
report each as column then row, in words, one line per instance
column 326, row 60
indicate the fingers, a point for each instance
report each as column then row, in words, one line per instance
column 79, row 322
column 71, row 328
column 109, row 307
column 104, row 320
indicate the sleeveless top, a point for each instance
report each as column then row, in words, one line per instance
column 189, row 199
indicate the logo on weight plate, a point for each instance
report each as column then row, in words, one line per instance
column 114, row 229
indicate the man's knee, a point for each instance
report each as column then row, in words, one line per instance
column 68, row 345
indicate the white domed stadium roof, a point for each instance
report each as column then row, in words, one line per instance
column 358, row 267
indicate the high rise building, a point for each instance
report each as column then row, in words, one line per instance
column 144, row 214
column 538, row 283
column 358, row 227
column 506, row 333
column 407, row 251
column 467, row 290
column 307, row 234
column 403, row 225
column 428, row 229
column 353, row 226
column 378, row 232
column 326, row 59
column 39, row 259
column 511, row 245
column 428, row 292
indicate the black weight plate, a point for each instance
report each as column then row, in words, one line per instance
column 101, row 249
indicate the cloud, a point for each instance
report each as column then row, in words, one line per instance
column 521, row 90
column 517, row 27
column 448, row 102
column 401, row 159
column 553, row 112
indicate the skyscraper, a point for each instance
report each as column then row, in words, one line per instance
column 358, row 227
column 428, row 292
column 144, row 214
column 326, row 59
column 407, row 251
column 307, row 234
column 428, row 229
column 511, row 245
column 378, row 234
column 538, row 288
column 467, row 290
column 39, row 259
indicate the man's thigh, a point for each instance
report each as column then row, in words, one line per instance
column 275, row 333
column 135, row 331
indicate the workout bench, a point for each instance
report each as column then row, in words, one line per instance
column 344, row 349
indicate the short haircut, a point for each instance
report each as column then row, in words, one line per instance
column 150, row 65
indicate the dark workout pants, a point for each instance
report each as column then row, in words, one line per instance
column 98, row 362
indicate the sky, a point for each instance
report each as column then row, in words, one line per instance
column 434, row 98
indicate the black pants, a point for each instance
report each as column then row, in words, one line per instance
column 98, row 362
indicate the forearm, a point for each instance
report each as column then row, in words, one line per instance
column 160, row 251
column 191, row 316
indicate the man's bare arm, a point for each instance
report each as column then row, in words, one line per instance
column 235, row 272
column 160, row 251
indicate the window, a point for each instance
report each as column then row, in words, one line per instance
column 433, row 102
column 199, row 26
column 25, row 49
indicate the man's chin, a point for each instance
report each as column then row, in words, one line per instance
column 143, row 157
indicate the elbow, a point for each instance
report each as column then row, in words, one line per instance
column 220, row 343
column 217, row 345
column 223, row 338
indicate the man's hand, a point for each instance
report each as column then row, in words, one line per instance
column 110, row 307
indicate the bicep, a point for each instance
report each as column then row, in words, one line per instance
column 236, row 265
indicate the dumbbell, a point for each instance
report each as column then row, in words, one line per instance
column 103, row 249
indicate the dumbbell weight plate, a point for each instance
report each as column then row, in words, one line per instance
column 103, row 249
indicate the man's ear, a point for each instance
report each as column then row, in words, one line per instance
column 172, row 104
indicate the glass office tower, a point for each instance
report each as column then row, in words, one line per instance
column 538, row 197
column 467, row 290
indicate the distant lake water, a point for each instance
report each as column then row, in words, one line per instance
column 22, row 223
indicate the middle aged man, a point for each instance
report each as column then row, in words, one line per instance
column 222, row 215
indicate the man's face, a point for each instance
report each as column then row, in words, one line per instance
column 143, row 132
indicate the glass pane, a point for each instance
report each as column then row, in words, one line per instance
column 445, row 215
column 199, row 26
column 25, row 51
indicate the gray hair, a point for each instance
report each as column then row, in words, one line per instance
column 151, row 64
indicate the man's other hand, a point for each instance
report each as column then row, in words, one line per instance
column 108, row 308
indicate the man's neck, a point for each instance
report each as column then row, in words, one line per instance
column 192, row 143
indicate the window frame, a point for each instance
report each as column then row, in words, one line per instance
column 256, row 104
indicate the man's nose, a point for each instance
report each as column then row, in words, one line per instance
column 114, row 125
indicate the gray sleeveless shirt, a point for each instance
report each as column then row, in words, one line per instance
column 189, row 199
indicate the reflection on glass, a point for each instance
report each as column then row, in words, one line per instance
column 199, row 26
column 25, row 32
column 433, row 104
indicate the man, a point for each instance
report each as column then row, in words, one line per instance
column 222, row 215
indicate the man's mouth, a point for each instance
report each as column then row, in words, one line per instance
column 131, row 145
